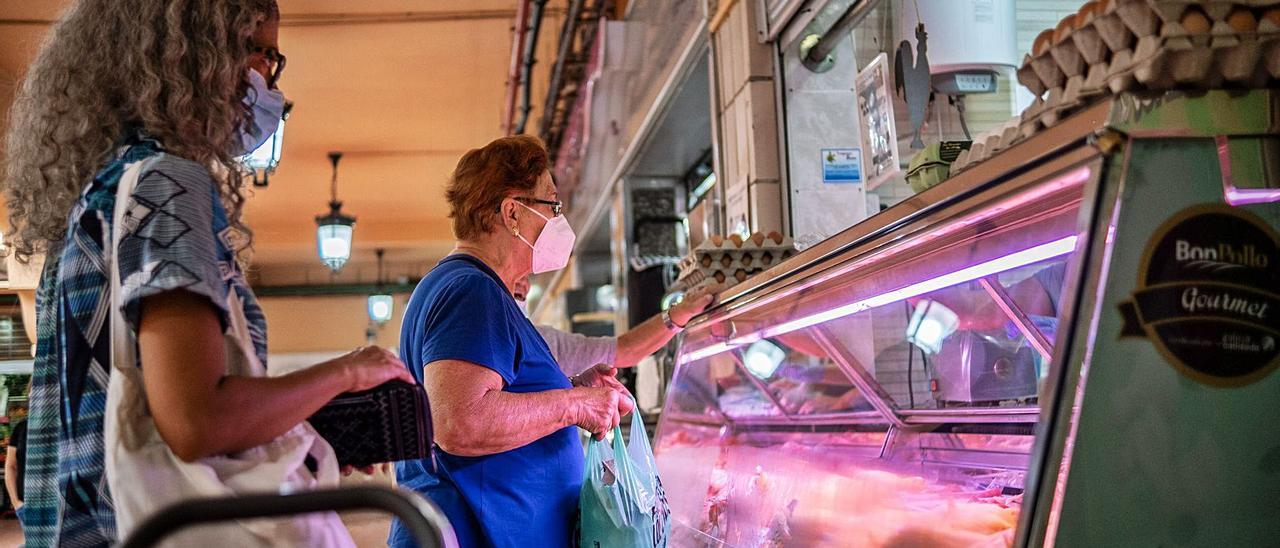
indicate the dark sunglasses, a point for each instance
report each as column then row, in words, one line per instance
column 277, row 61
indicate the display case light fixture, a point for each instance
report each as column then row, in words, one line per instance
column 931, row 323
column 1018, row 259
column 763, row 359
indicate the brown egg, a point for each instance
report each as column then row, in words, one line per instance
column 1064, row 29
column 766, row 259
column 740, row 275
column 1242, row 20
column 720, row 277
column 747, row 259
column 757, row 238
column 1088, row 11
column 776, row 237
column 1195, row 21
column 706, row 261
column 726, row 261
column 736, row 239
column 1043, row 41
column 1273, row 15
column 717, row 240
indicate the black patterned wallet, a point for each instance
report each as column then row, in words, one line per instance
column 389, row 423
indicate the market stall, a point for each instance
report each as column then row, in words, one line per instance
column 1064, row 337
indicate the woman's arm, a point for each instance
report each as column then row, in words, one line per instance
column 472, row 416
column 200, row 411
column 11, row 475
column 652, row 334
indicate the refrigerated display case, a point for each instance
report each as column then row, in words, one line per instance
column 954, row 371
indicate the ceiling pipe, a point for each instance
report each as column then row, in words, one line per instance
column 530, row 58
column 513, row 71
column 557, row 70
column 816, row 57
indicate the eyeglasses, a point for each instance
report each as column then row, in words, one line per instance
column 556, row 207
column 277, row 61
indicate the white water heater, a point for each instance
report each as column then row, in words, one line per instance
column 963, row 35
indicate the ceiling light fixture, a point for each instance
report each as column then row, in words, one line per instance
column 333, row 235
column 381, row 304
column 263, row 161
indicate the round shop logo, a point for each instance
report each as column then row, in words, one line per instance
column 1207, row 295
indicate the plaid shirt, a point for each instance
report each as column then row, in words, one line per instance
column 182, row 242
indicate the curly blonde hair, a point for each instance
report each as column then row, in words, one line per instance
column 175, row 69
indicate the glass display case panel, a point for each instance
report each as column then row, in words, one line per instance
column 760, row 487
column 802, row 376
column 944, row 318
column 720, row 384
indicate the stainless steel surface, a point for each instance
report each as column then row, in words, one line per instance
column 972, row 415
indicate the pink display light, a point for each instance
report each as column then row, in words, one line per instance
column 1234, row 195
column 1056, row 248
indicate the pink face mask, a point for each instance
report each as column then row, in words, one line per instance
column 552, row 249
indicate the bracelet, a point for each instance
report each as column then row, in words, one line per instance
column 671, row 326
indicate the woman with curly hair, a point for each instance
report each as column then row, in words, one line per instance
column 150, row 383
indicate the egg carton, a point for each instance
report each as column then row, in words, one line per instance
column 1118, row 36
column 1170, row 11
column 716, row 279
column 988, row 144
column 758, row 259
column 728, row 255
column 759, row 240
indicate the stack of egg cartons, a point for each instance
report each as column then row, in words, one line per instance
column 721, row 262
column 1112, row 46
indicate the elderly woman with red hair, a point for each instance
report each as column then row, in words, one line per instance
column 508, row 464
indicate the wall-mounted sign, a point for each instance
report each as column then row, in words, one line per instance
column 1208, row 295
column 841, row 166
column 875, row 111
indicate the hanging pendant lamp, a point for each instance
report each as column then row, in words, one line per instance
column 381, row 304
column 334, row 232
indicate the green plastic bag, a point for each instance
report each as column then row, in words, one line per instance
column 622, row 502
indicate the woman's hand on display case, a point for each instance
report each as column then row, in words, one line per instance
column 693, row 304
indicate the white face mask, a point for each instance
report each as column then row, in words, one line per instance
column 554, row 245
column 268, row 108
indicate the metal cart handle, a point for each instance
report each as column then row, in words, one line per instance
column 425, row 522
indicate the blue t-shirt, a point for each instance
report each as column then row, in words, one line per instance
column 524, row 497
